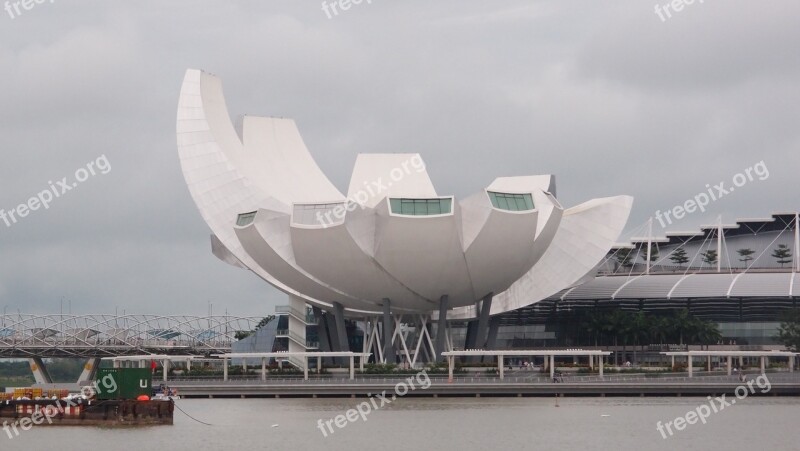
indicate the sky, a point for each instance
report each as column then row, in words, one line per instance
column 613, row 97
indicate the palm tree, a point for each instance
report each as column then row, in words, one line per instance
column 681, row 324
column 639, row 329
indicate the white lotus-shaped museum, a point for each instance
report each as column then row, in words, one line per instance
column 392, row 240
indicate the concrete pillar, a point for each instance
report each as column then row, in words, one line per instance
column 501, row 366
column 225, row 369
column 319, row 365
column 494, row 328
column 600, row 364
column 244, row 367
column 741, row 361
column 791, row 364
column 39, row 370
column 441, row 329
column 90, row 370
column 188, row 365
column 330, row 326
column 552, row 366
column 297, row 326
column 388, row 332
column 691, row 369
column 322, row 330
column 305, row 367
column 263, row 369
column 341, row 330
column 483, row 321
column 730, row 365
column 472, row 332
column 116, row 364
column 450, row 368
column 709, row 364
column 166, row 369
column 673, row 363
column 763, row 361
column 352, row 367
column 545, row 362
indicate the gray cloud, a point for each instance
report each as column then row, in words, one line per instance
column 602, row 94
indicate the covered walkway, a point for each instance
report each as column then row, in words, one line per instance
column 304, row 356
column 762, row 355
column 451, row 355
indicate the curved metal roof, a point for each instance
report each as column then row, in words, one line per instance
column 680, row 286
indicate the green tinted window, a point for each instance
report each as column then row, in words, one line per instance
column 511, row 202
column 420, row 207
column 245, row 218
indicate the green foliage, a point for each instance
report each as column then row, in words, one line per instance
column 789, row 330
column 624, row 257
column 679, row 257
column 710, row 257
column 653, row 253
column 746, row 255
column 242, row 334
column 614, row 327
column 782, row 254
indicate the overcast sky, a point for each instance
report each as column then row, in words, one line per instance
column 606, row 95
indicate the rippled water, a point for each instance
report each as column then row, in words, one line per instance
column 765, row 423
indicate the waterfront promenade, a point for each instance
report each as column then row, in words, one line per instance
column 515, row 384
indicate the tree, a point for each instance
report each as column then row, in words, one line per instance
column 782, row 254
column 624, row 257
column 789, row 330
column 710, row 257
column 242, row 334
column 679, row 256
column 746, row 255
column 653, row 253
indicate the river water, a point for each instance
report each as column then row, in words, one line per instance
column 755, row 423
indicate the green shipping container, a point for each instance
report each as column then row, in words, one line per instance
column 123, row 383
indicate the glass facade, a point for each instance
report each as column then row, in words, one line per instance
column 318, row 214
column 245, row 219
column 421, row 207
column 511, row 202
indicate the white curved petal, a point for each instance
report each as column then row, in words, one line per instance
column 376, row 176
column 425, row 254
column 268, row 241
column 503, row 248
column 208, row 148
column 585, row 235
column 337, row 255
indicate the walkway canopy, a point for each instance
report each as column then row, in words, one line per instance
column 451, row 355
column 762, row 355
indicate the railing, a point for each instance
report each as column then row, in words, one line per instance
column 774, row 376
column 297, row 338
column 306, row 317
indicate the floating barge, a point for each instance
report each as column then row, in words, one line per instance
column 118, row 397
column 112, row 412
